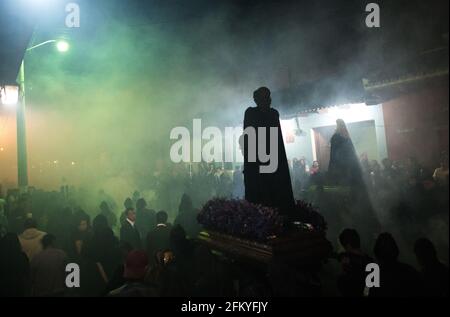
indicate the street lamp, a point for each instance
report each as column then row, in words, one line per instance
column 22, row 165
column 62, row 46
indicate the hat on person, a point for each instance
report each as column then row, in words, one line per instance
column 136, row 265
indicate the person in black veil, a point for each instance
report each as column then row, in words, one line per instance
column 344, row 168
column 268, row 189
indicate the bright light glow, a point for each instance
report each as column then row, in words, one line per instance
column 62, row 46
column 9, row 95
column 73, row 163
column 288, row 129
column 348, row 113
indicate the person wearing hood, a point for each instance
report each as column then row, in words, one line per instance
column 145, row 218
column 187, row 217
column 30, row 238
column 266, row 183
column 106, row 211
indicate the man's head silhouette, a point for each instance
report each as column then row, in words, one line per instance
column 262, row 97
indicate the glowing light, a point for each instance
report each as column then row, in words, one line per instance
column 348, row 112
column 1, row 149
column 9, row 95
column 55, row 161
column 73, row 163
column 288, row 130
column 62, row 46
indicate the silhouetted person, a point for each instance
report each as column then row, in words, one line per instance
column 209, row 275
column 344, row 166
column 14, row 268
column 128, row 232
column 106, row 211
column 363, row 158
column 187, row 217
column 136, row 196
column 145, row 218
column 136, row 266
column 117, row 279
column 396, row 279
column 238, row 183
column 128, row 203
column 315, row 173
column 440, row 174
column 173, row 280
column 30, row 238
column 81, row 233
column 18, row 214
column 60, row 225
column 48, row 270
column 351, row 282
column 269, row 189
column 181, row 246
column 434, row 273
column 100, row 257
column 103, row 196
column 158, row 238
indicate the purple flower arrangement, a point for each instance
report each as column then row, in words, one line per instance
column 240, row 218
column 243, row 219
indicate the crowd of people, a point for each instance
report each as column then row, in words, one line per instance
column 152, row 257
column 378, row 177
column 147, row 248
column 398, row 279
column 136, row 251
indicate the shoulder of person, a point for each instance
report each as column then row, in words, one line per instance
column 275, row 112
column 250, row 110
column 406, row 270
column 336, row 137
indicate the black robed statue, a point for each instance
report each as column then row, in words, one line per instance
column 268, row 189
column 344, row 168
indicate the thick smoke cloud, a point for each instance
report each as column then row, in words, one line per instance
column 100, row 115
column 109, row 104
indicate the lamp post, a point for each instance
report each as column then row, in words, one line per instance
column 22, row 161
column 22, row 164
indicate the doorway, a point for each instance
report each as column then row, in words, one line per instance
column 363, row 136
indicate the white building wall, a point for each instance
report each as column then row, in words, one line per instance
column 303, row 145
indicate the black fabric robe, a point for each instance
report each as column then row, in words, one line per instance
column 130, row 234
column 344, row 166
column 268, row 189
